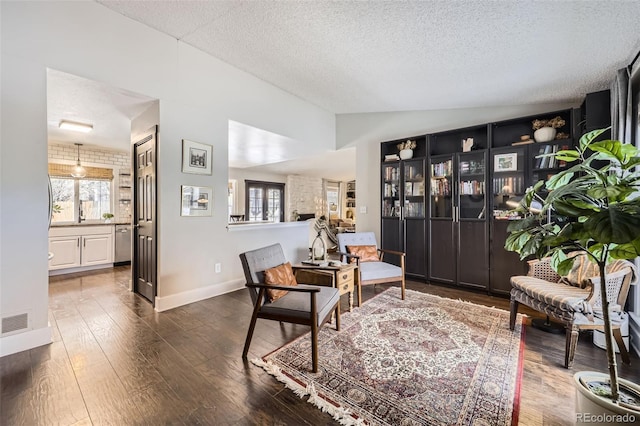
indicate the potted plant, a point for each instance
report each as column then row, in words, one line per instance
column 107, row 217
column 594, row 210
column 545, row 130
column 406, row 149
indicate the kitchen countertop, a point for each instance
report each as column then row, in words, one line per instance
column 70, row 225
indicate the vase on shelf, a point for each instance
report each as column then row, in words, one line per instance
column 406, row 154
column 544, row 134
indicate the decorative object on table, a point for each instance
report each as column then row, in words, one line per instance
column 107, row 217
column 319, row 248
column 196, row 200
column 424, row 360
column 592, row 211
column 467, row 144
column 196, row 157
column 545, row 130
column 505, row 162
column 406, row 149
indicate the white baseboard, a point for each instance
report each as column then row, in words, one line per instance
column 634, row 332
column 79, row 269
column 24, row 341
column 173, row 301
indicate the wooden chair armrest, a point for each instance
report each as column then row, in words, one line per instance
column 397, row 253
column 349, row 256
column 284, row 287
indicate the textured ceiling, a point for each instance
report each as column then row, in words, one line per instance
column 372, row 56
column 107, row 109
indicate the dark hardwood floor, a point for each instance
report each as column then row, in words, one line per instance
column 115, row 361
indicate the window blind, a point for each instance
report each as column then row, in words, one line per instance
column 65, row 170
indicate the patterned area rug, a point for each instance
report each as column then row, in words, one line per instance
column 422, row 361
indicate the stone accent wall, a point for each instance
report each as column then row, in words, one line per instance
column 119, row 161
column 304, row 194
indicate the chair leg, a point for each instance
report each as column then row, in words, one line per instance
column 514, row 313
column 570, row 346
column 338, row 316
column 314, row 346
column 402, row 286
column 617, row 334
column 252, row 325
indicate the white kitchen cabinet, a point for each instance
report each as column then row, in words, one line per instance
column 81, row 247
column 66, row 252
column 96, row 249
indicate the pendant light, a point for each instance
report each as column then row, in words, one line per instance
column 78, row 170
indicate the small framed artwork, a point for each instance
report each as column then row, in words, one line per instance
column 196, row 200
column 196, row 157
column 505, row 162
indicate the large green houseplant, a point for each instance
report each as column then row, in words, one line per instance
column 593, row 207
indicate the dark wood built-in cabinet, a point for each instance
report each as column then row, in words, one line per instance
column 448, row 207
column 404, row 205
column 458, row 231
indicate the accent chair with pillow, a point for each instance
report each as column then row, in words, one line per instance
column 575, row 300
column 276, row 294
column 362, row 248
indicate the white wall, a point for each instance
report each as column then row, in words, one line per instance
column 366, row 131
column 197, row 96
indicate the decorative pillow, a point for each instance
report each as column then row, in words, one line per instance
column 366, row 253
column 279, row 275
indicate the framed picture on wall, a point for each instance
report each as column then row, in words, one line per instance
column 196, row 200
column 196, row 157
column 505, row 162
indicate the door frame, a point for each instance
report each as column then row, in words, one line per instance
column 151, row 133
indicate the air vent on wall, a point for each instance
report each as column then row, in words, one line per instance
column 15, row 323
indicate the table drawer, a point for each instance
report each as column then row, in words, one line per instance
column 345, row 277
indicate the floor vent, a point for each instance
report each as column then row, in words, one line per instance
column 15, row 323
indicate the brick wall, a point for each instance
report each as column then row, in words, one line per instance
column 119, row 161
column 304, row 194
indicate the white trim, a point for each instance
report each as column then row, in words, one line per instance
column 24, row 341
column 173, row 301
column 246, row 226
column 79, row 269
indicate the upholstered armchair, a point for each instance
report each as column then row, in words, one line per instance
column 575, row 300
column 372, row 268
column 277, row 295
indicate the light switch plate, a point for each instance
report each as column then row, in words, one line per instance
column 363, row 209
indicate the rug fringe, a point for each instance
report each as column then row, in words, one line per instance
column 340, row 414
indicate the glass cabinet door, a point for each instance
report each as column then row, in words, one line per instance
column 413, row 191
column 391, row 190
column 441, row 176
column 508, row 183
column 471, row 185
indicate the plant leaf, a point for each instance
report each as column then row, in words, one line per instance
column 589, row 137
column 624, row 251
column 619, row 224
column 614, row 150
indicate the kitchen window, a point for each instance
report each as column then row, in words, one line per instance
column 79, row 200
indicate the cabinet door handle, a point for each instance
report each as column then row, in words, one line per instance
column 84, row 242
column 78, row 242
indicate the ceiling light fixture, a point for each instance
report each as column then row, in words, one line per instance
column 75, row 126
column 78, row 170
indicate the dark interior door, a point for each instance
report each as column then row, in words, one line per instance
column 145, row 241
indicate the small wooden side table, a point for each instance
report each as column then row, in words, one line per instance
column 345, row 277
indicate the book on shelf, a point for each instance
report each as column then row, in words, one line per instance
column 391, row 157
